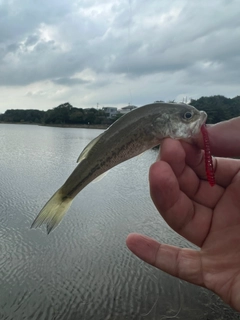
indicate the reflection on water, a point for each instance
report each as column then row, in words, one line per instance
column 83, row 269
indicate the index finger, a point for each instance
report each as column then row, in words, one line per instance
column 224, row 168
column 190, row 219
column 188, row 165
column 180, row 192
column 224, row 138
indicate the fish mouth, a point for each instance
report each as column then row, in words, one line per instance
column 201, row 121
column 197, row 125
column 203, row 118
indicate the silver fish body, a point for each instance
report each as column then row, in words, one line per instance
column 134, row 133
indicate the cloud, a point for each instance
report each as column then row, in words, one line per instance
column 170, row 47
column 69, row 81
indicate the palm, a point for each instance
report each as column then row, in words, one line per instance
column 208, row 217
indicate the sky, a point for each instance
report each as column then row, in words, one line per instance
column 109, row 53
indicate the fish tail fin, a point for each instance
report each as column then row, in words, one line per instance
column 53, row 211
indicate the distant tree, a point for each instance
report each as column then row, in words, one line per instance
column 76, row 117
column 29, row 116
column 217, row 107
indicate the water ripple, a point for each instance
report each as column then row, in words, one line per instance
column 83, row 269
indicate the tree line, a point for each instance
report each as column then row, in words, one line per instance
column 64, row 114
column 218, row 108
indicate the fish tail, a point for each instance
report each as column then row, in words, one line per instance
column 53, row 211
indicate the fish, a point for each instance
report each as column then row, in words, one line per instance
column 132, row 134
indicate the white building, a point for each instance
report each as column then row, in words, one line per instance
column 111, row 112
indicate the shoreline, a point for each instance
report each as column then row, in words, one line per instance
column 83, row 126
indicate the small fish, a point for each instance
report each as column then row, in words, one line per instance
column 134, row 133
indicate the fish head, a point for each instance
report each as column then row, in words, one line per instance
column 181, row 121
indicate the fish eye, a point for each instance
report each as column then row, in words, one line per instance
column 188, row 115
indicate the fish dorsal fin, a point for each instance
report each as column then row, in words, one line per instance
column 85, row 151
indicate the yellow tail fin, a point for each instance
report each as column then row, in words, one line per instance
column 53, row 211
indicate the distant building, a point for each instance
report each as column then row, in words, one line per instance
column 111, row 112
column 127, row 109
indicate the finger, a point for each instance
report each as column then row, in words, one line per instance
column 224, row 138
column 179, row 154
column 174, row 183
column 192, row 182
column 225, row 169
column 181, row 263
column 172, row 152
column 188, row 218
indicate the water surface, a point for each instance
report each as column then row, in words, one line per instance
column 83, row 269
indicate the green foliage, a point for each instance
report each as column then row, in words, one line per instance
column 67, row 114
column 29, row 116
column 64, row 114
column 218, row 109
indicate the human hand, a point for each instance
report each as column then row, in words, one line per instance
column 207, row 216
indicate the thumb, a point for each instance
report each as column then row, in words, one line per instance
column 181, row 263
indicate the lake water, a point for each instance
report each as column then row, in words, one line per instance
column 83, row 269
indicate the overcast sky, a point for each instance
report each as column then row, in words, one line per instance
column 116, row 52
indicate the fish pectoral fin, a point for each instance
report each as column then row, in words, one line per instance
column 100, row 177
column 53, row 211
column 85, row 151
